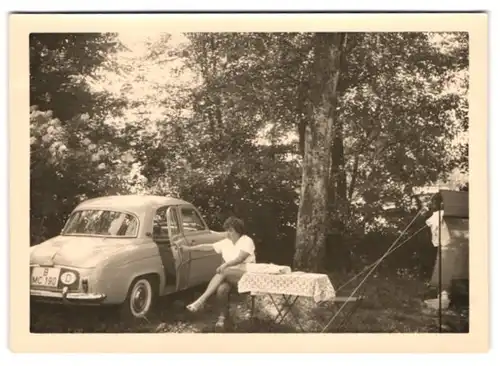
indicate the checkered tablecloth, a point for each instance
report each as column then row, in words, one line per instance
column 313, row 285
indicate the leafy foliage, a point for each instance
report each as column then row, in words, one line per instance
column 74, row 148
column 220, row 119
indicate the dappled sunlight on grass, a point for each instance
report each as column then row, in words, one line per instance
column 390, row 306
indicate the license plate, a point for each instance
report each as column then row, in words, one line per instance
column 45, row 276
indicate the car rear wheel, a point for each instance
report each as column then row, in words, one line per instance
column 140, row 299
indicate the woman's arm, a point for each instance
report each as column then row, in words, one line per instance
column 200, row 247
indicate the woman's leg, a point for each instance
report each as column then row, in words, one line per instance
column 231, row 275
column 222, row 298
column 211, row 289
column 231, row 278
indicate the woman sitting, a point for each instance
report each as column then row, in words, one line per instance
column 237, row 250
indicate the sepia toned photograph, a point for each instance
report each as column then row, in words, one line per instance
column 272, row 182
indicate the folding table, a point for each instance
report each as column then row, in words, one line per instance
column 290, row 287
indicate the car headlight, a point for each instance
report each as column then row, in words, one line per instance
column 68, row 278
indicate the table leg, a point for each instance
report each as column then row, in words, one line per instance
column 286, row 309
column 252, row 311
column 297, row 321
column 278, row 308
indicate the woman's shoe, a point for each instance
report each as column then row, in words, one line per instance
column 194, row 307
column 221, row 323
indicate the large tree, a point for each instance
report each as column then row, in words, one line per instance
column 395, row 119
column 322, row 121
column 228, row 124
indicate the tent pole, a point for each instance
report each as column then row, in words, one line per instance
column 440, row 266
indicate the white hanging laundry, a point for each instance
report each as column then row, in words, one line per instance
column 433, row 223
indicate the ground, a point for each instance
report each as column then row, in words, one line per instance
column 390, row 305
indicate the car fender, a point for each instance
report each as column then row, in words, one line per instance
column 115, row 281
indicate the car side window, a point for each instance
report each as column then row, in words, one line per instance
column 191, row 220
column 173, row 221
column 163, row 218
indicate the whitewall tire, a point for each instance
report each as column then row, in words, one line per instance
column 140, row 299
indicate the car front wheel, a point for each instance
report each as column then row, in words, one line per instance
column 140, row 299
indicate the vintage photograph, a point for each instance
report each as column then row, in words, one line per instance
column 249, row 182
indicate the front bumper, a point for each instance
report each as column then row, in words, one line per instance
column 67, row 297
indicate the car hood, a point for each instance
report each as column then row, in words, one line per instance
column 75, row 251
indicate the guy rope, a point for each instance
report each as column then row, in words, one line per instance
column 373, row 266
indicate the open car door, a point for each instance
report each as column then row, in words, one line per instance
column 182, row 258
column 202, row 263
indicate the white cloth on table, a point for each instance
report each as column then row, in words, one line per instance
column 268, row 268
column 313, row 285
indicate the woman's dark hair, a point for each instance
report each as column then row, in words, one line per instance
column 236, row 224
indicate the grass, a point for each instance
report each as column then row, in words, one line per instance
column 392, row 305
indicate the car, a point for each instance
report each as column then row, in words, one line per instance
column 126, row 251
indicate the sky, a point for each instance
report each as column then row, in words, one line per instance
column 139, row 84
column 153, row 74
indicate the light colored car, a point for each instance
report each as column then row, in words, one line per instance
column 124, row 250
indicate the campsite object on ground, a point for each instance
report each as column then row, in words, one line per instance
column 434, row 303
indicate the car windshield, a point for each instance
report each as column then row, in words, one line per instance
column 101, row 223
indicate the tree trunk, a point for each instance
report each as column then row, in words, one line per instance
column 335, row 251
column 337, row 194
column 338, row 181
column 354, row 176
column 313, row 207
column 337, row 202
